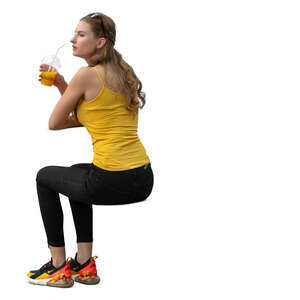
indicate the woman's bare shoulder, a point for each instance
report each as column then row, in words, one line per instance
column 85, row 74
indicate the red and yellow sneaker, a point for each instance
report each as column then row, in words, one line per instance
column 84, row 273
column 51, row 276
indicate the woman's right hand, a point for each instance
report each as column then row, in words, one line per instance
column 58, row 80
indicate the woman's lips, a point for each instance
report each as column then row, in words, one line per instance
column 74, row 48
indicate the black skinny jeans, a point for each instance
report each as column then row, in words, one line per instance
column 86, row 184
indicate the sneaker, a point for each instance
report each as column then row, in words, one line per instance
column 84, row 273
column 51, row 276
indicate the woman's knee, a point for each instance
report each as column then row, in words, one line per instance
column 42, row 173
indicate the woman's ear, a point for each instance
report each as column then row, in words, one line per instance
column 101, row 42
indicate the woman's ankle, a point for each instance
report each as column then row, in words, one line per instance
column 58, row 255
column 84, row 251
column 82, row 259
column 57, row 262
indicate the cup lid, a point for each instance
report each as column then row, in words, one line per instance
column 52, row 60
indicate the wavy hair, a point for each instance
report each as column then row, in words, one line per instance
column 130, row 85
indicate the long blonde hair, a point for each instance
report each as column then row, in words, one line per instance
column 130, row 85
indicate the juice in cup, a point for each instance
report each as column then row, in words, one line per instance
column 47, row 78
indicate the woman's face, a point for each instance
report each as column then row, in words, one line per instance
column 84, row 43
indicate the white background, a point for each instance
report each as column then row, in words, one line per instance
column 220, row 125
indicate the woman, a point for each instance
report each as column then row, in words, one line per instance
column 104, row 98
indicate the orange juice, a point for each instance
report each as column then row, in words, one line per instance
column 47, row 78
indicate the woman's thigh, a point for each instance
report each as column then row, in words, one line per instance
column 72, row 182
column 84, row 166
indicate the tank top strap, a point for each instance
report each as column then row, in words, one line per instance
column 98, row 75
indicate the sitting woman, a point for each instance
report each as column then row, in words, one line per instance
column 104, row 98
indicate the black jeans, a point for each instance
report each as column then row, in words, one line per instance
column 86, row 184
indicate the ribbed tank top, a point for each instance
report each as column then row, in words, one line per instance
column 113, row 131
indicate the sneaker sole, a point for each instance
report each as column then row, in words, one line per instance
column 89, row 281
column 46, row 282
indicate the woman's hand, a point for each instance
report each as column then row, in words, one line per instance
column 59, row 80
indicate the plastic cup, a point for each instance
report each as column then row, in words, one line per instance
column 47, row 77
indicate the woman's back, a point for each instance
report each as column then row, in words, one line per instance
column 94, row 85
column 113, row 130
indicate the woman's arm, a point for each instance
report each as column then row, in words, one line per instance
column 60, row 83
column 72, row 121
column 62, row 87
column 71, row 94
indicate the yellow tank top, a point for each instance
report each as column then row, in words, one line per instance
column 113, row 131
